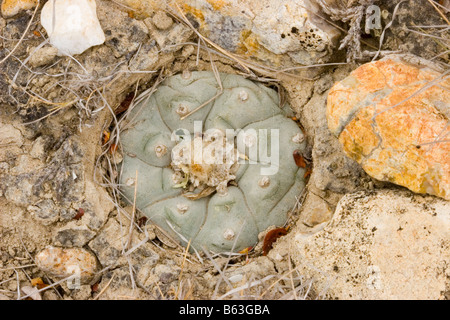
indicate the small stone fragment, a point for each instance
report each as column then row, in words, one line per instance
column 76, row 27
column 161, row 274
column 45, row 212
column 62, row 263
column 162, row 21
column 42, row 56
column 31, row 292
column 38, row 148
column 84, row 292
column 12, row 7
column 72, row 235
column 20, row 192
column 393, row 121
column 117, row 284
column 247, row 198
column 96, row 207
column 10, row 136
column 109, row 244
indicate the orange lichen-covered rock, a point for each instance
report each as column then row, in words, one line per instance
column 12, row 7
column 391, row 116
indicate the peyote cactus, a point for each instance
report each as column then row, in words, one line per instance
column 225, row 200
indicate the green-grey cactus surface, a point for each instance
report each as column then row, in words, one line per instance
column 223, row 221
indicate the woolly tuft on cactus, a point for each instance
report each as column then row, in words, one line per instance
column 217, row 175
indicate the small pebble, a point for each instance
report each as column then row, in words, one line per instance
column 162, row 21
column 31, row 292
column 61, row 263
column 12, row 7
column 42, row 56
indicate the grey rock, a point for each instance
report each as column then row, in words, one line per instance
column 168, row 39
column 226, row 30
column 161, row 274
column 333, row 170
column 106, row 245
column 67, row 214
column 46, row 212
column 63, row 262
column 72, row 235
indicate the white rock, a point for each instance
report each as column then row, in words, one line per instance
column 72, row 25
column 382, row 245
